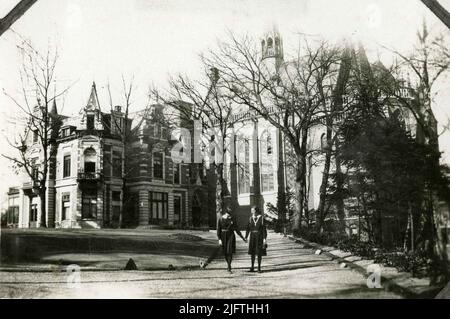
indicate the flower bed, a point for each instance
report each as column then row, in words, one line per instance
column 417, row 263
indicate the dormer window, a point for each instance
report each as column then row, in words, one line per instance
column 90, row 122
column 65, row 132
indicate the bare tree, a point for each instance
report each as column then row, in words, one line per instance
column 122, row 126
column 292, row 98
column 18, row 11
column 429, row 62
column 42, row 120
column 206, row 102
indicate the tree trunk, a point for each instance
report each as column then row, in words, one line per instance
column 339, row 189
column 324, row 185
column 124, row 169
column 220, row 193
column 42, row 192
column 281, row 191
column 300, row 180
column 123, row 204
column 298, row 216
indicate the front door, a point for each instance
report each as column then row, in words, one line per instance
column 177, row 217
column 196, row 211
column 34, row 211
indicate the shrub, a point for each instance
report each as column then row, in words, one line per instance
column 324, row 238
column 417, row 262
column 355, row 246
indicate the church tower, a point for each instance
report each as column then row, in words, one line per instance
column 272, row 50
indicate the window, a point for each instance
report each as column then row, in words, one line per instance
column 158, row 165
column 269, row 43
column 13, row 215
column 244, row 167
column 35, row 172
column 176, row 173
column 89, row 167
column 158, row 203
column 13, row 211
column 90, row 157
column 35, row 136
column 65, row 206
column 66, row 166
column 267, row 169
column 116, row 196
column 33, row 212
column 323, row 141
column 117, row 164
column 65, row 132
column 118, row 125
column 107, row 123
column 90, row 122
column 177, row 209
column 157, row 131
column 89, row 204
column 107, row 160
column 116, row 215
column 269, row 144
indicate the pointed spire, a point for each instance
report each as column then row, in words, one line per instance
column 54, row 109
column 93, row 103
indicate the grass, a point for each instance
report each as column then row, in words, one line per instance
column 106, row 248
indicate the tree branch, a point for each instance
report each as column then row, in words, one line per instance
column 15, row 14
column 438, row 10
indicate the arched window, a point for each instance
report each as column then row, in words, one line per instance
column 269, row 43
column 323, row 141
column 266, row 160
column 90, row 158
column 277, row 42
column 243, row 166
column 269, row 144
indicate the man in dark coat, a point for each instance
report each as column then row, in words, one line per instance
column 257, row 230
column 226, row 227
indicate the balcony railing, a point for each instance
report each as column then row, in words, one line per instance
column 89, row 176
column 30, row 185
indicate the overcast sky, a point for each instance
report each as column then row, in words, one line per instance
column 150, row 39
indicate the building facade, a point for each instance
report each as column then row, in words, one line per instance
column 97, row 181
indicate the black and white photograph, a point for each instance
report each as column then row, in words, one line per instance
column 224, row 150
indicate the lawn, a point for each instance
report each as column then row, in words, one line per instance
column 151, row 249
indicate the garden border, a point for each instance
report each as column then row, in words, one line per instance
column 400, row 282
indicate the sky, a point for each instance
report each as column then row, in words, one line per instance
column 102, row 40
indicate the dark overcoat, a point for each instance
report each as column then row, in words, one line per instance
column 257, row 230
column 226, row 227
